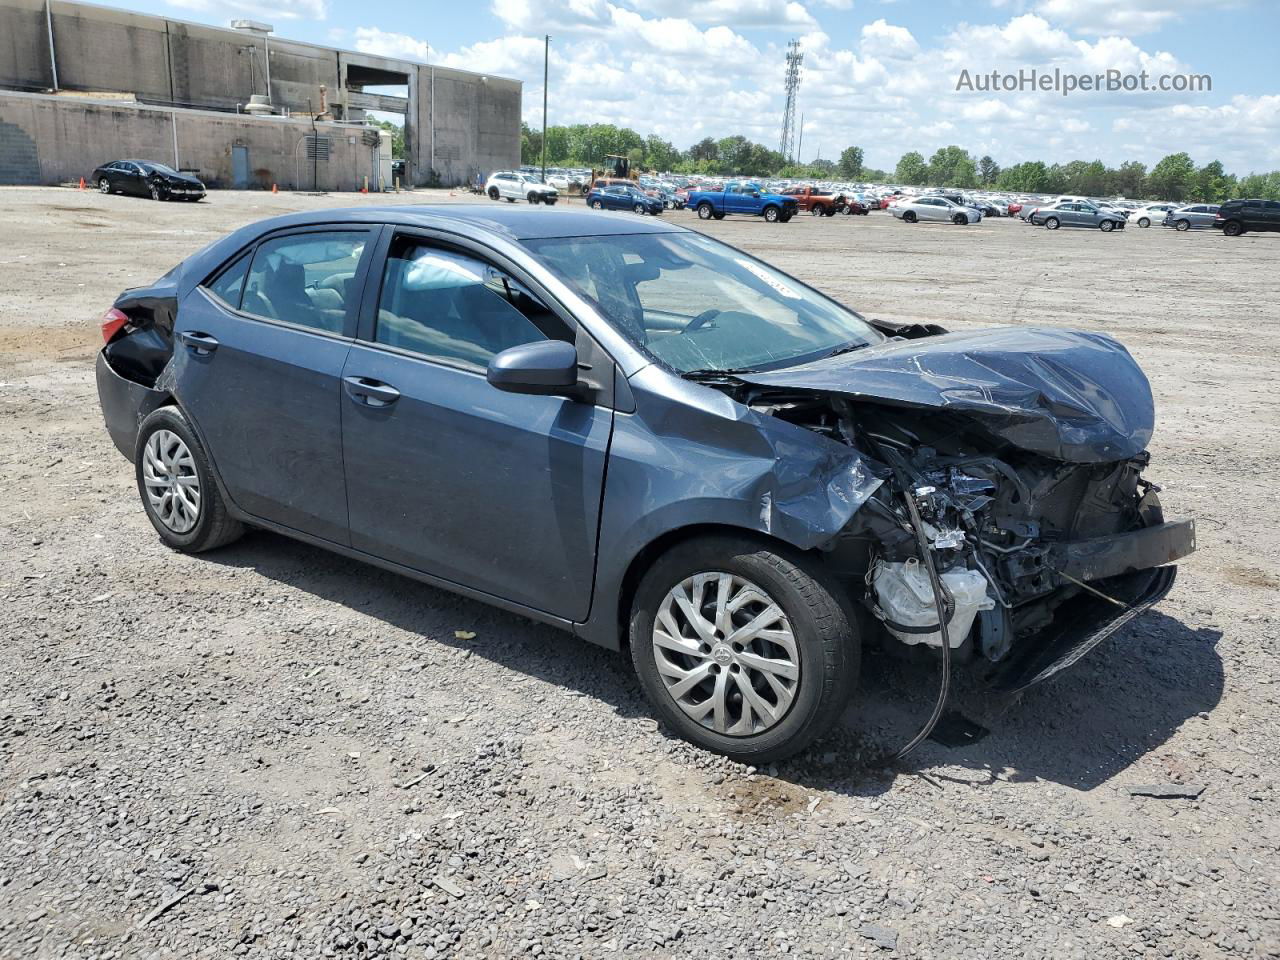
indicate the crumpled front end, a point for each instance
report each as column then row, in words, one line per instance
column 1023, row 452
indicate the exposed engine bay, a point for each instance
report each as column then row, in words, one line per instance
column 1017, row 534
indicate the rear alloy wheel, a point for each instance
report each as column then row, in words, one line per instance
column 1051, row 223
column 1232, row 228
column 910, row 216
column 815, row 211
column 960, row 220
column 743, row 650
column 104, row 185
column 155, row 192
column 176, row 484
column 1182, row 226
column 597, row 205
column 1106, row 226
column 1144, row 222
column 705, row 211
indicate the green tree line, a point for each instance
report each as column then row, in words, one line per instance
column 1175, row 178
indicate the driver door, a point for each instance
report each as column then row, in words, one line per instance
column 498, row 492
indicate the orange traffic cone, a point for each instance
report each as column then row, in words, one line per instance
column 82, row 183
column 275, row 188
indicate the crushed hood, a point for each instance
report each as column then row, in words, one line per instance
column 1072, row 396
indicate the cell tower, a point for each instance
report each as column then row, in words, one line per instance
column 794, row 59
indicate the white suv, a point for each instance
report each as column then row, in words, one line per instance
column 512, row 186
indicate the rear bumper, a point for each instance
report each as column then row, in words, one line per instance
column 124, row 404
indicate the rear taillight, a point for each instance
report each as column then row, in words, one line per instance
column 1218, row 216
column 113, row 322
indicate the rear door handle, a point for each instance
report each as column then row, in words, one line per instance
column 370, row 392
column 199, row 343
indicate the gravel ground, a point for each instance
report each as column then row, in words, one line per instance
column 269, row 751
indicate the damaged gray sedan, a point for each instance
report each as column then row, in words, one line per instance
column 652, row 440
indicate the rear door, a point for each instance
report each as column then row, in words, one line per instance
column 258, row 361
column 1271, row 215
column 494, row 491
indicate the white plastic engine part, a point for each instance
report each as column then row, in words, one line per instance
column 906, row 597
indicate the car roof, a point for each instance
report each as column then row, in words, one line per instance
column 509, row 222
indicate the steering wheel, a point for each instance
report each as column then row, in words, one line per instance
column 701, row 320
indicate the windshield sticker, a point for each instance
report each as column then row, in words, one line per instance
column 768, row 278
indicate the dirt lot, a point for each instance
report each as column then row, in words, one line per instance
column 304, row 755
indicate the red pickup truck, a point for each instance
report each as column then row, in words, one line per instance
column 816, row 201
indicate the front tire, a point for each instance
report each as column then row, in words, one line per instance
column 910, row 216
column 176, row 484
column 960, row 220
column 639, row 208
column 493, row 193
column 1106, row 226
column 771, row 214
column 155, row 193
column 597, row 205
column 742, row 647
column 532, row 197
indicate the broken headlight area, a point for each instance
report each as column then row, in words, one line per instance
column 1039, row 559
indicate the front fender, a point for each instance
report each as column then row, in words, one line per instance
column 691, row 456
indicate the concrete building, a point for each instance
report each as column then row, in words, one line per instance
column 82, row 84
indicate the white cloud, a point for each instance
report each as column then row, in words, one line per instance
column 269, row 10
column 886, row 40
column 1124, row 16
column 373, row 40
column 740, row 13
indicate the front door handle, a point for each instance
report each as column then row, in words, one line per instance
column 370, row 392
column 201, row 344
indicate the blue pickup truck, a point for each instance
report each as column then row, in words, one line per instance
column 742, row 197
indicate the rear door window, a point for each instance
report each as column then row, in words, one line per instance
column 308, row 279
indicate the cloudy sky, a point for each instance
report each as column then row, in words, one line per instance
column 878, row 73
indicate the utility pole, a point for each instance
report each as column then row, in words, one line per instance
column 798, row 158
column 546, row 62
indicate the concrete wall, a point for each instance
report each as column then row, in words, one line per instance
column 475, row 128
column 458, row 124
column 52, row 139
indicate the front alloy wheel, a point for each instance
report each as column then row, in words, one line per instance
column 771, row 214
column 1106, row 226
column 726, row 653
column 742, row 648
column 155, row 192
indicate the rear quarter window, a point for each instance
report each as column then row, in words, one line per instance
column 228, row 284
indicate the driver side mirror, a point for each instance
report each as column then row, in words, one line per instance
column 756, row 194
column 546, row 368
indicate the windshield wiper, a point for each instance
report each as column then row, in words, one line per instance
column 847, row 348
column 705, row 375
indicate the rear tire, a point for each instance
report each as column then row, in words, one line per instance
column 910, row 217
column 104, row 185
column 1232, row 228
column 170, row 465
column 1050, row 224
column 705, row 211
column 1182, row 226
column 1144, row 222
column 811, row 649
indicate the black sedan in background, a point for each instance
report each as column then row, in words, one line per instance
column 143, row 178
